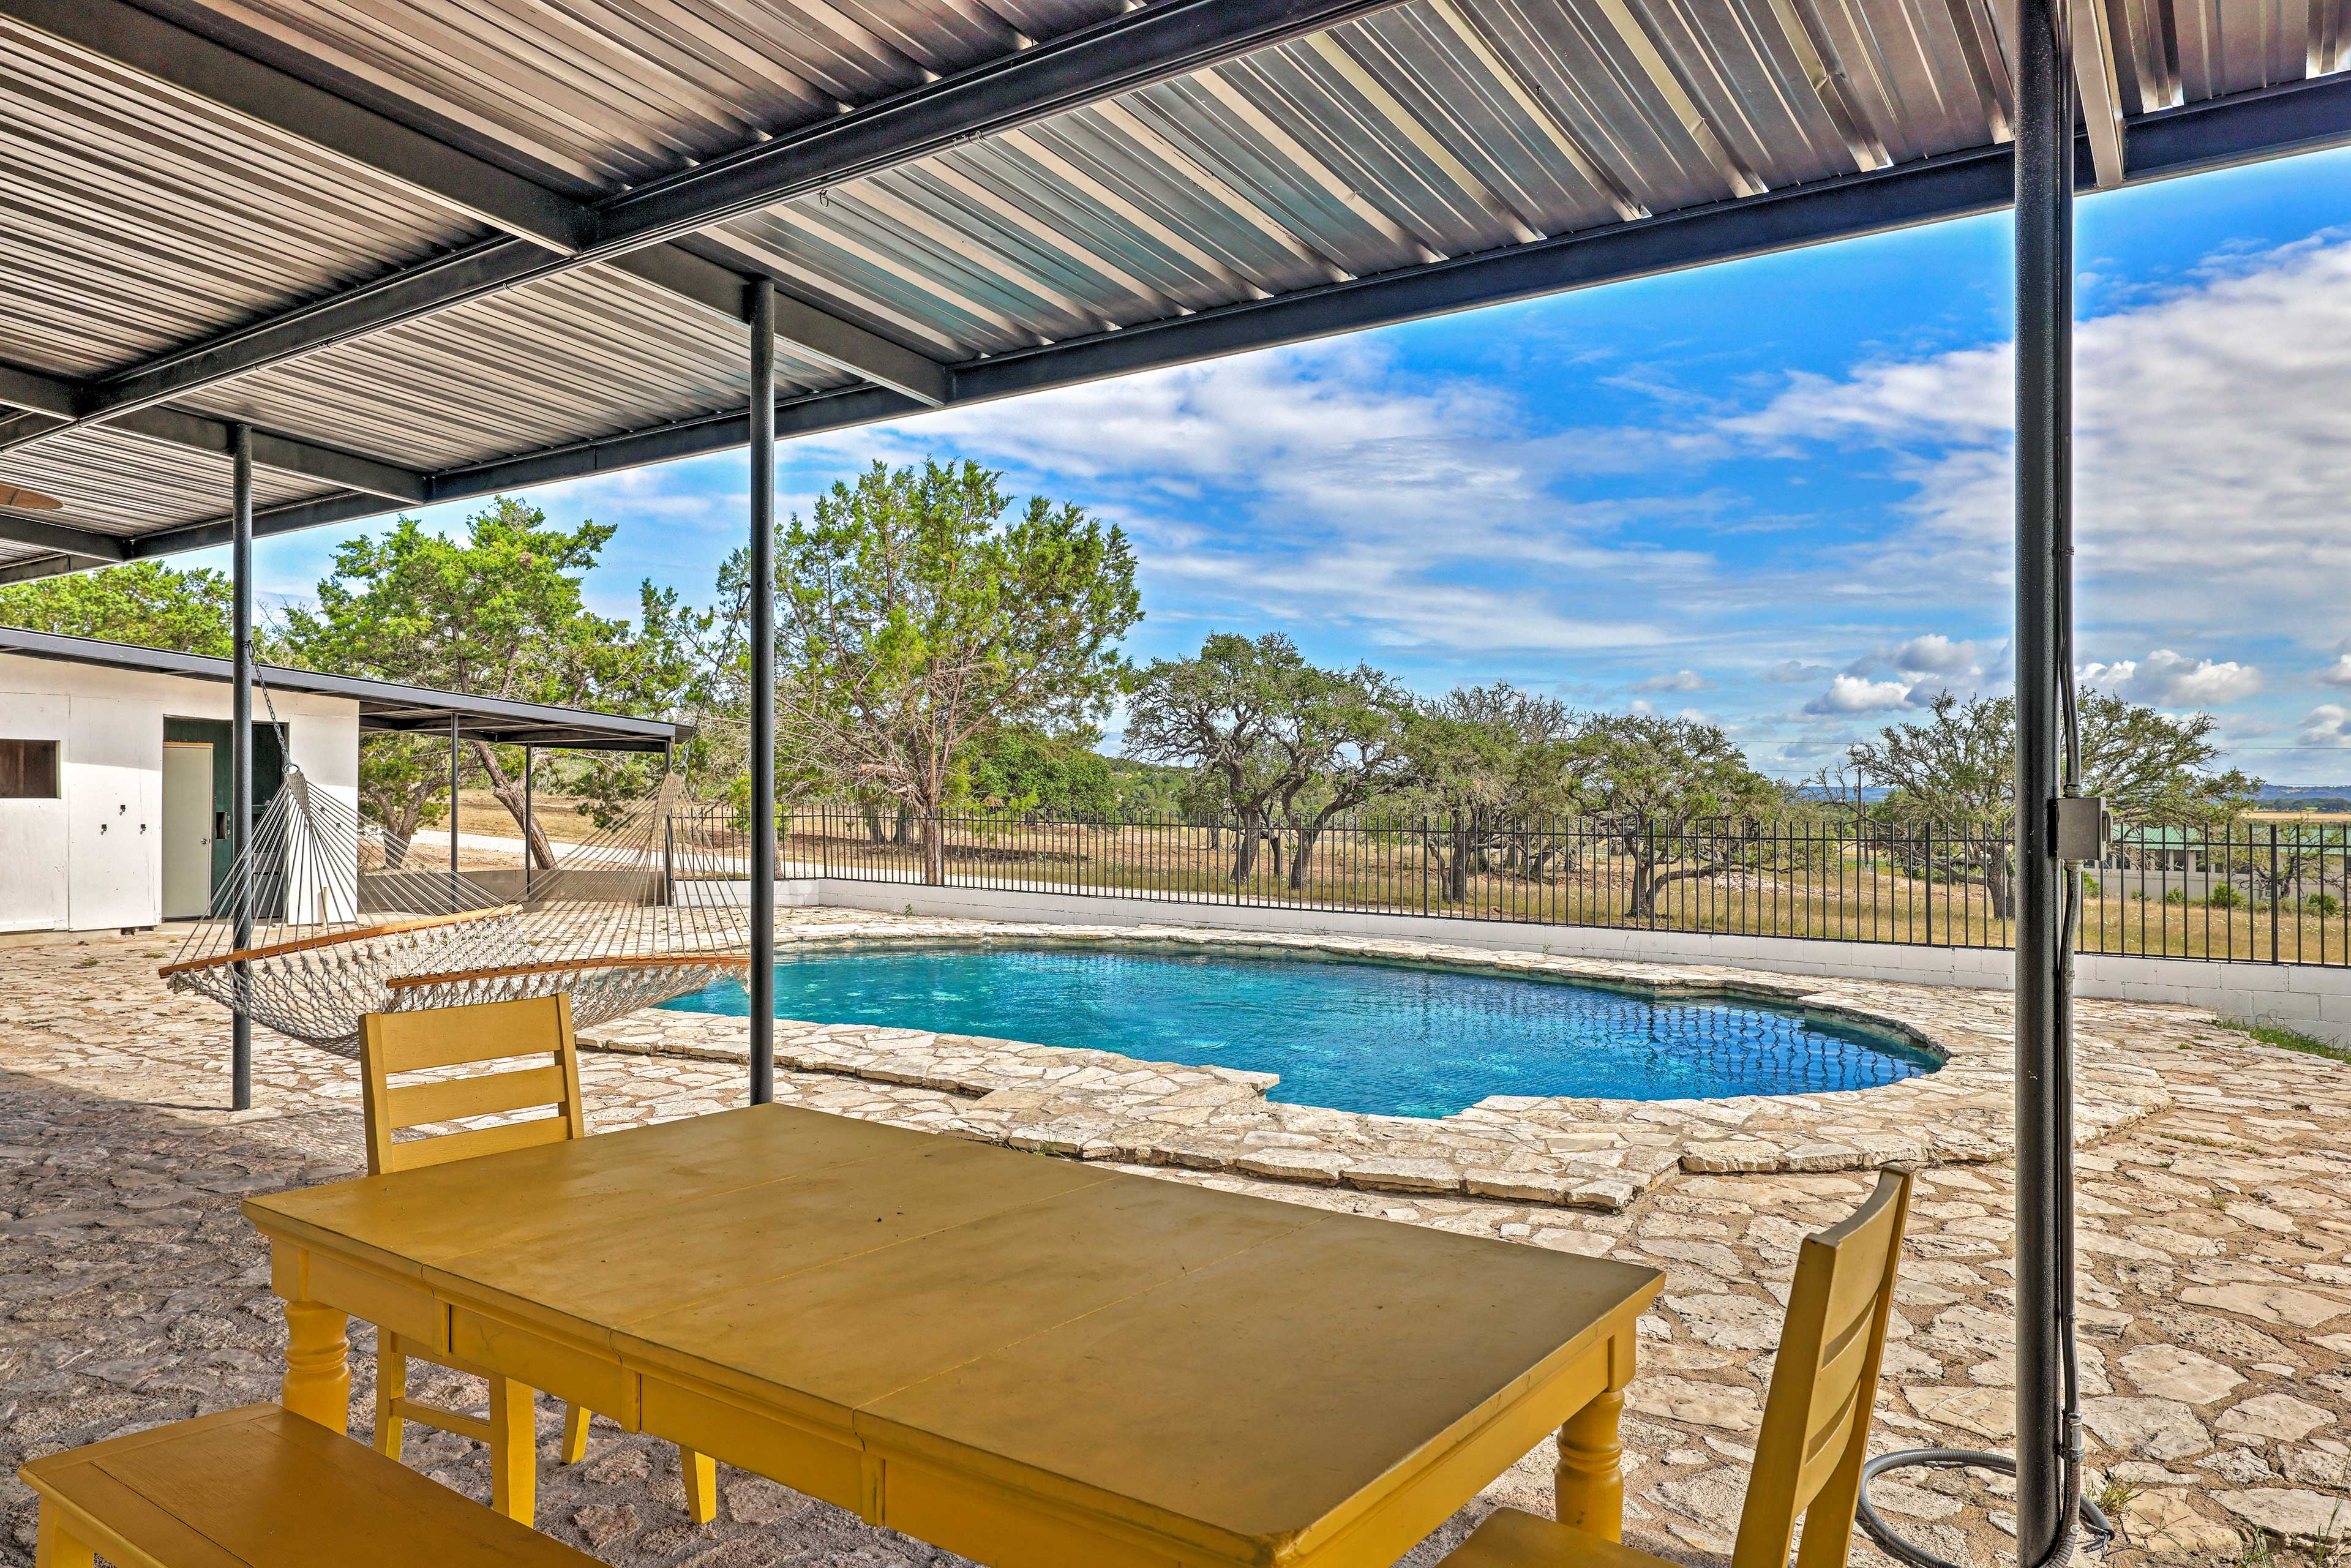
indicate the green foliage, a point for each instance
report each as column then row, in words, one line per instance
column 142, row 603
column 2325, row 905
column 2177, row 897
column 1495, row 751
column 1058, row 776
column 1149, row 789
column 2287, row 1038
column 1959, row 767
column 1679, row 797
column 2224, row 896
column 1272, row 738
column 914, row 617
column 496, row 613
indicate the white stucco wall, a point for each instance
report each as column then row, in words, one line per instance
column 2313, row 999
column 92, row 859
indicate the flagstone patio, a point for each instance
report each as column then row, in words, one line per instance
column 2215, row 1242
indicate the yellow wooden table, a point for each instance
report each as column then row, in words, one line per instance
column 1032, row 1362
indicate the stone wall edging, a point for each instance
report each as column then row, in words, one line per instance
column 1588, row 1152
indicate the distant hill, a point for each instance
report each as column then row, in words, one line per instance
column 2303, row 792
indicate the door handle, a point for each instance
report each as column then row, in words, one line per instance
column 220, row 826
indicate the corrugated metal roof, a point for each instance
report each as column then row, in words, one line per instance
column 584, row 354
column 383, row 705
column 142, row 223
column 123, row 484
column 133, row 219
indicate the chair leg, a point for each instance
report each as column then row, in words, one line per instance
column 701, row 1485
column 514, row 1450
column 391, row 1387
column 575, row 1433
column 53, row 1547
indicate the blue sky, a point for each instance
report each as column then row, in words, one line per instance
column 1773, row 493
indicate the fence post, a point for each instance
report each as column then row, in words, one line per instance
column 2273, row 896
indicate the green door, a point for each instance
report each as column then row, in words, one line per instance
column 269, row 775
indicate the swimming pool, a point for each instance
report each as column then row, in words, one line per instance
column 1352, row 1034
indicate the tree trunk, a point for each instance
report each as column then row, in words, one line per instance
column 2000, row 884
column 1456, row 864
column 397, row 835
column 872, row 823
column 1307, row 835
column 935, row 847
column 1245, row 841
column 510, row 791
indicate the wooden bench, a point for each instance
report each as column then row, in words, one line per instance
column 260, row 1487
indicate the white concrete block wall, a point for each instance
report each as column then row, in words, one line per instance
column 2315, row 1000
column 93, row 860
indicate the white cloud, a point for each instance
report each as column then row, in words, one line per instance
column 2337, row 674
column 1678, row 681
column 1791, row 671
column 2212, row 452
column 1322, row 486
column 2165, row 679
column 1935, row 655
column 1851, row 694
column 2327, row 727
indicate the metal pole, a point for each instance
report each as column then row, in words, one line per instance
column 2044, row 1242
column 527, row 752
column 453, row 811
column 240, row 747
column 763, row 692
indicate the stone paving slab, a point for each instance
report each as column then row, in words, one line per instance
column 2215, row 1259
column 1576, row 1153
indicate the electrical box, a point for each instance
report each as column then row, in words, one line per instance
column 2081, row 828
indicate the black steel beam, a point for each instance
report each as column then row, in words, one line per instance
column 42, row 396
column 1149, row 44
column 88, row 545
column 2173, row 142
column 723, row 288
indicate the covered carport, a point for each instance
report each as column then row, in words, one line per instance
column 269, row 264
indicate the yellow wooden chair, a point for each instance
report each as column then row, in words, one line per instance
column 1815, row 1434
column 392, row 1044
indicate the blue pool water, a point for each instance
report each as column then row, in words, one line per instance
column 1388, row 1039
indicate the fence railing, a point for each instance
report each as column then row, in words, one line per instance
column 2247, row 891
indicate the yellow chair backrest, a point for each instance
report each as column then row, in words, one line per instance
column 393, row 1044
column 1815, row 1435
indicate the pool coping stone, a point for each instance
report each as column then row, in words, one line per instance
column 1593, row 1154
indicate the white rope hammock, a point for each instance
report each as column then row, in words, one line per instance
column 319, row 922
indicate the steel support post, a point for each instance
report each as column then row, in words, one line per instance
column 240, row 749
column 453, row 811
column 2045, row 1241
column 762, row 987
column 527, row 752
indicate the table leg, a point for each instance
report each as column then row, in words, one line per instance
column 317, row 1382
column 514, row 1450
column 1590, row 1469
column 54, row 1546
column 701, row 1485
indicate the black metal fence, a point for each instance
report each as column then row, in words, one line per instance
column 2248, row 891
